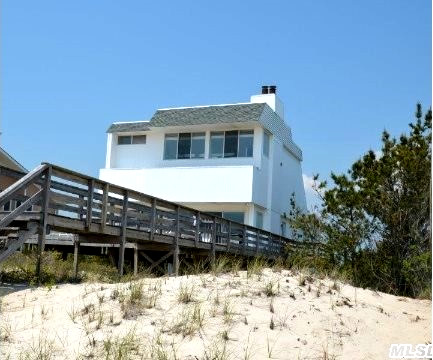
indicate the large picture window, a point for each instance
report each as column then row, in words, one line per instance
column 227, row 144
column 184, row 146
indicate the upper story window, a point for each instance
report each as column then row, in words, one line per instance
column 184, row 146
column 266, row 143
column 235, row 143
column 131, row 139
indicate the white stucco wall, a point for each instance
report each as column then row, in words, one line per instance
column 188, row 184
column 286, row 179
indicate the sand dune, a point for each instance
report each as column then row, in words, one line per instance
column 275, row 314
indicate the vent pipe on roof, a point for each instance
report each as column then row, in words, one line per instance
column 272, row 89
column 265, row 89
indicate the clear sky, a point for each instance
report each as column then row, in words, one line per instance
column 345, row 70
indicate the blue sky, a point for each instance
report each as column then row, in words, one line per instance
column 344, row 69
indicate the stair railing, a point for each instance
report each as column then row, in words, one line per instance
column 18, row 188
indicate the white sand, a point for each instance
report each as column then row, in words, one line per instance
column 344, row 323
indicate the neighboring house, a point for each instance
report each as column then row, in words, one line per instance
column 8, row 162
column 234, row 160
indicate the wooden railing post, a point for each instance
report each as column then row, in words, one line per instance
column 176, row 244
column 104, row 207
column 245, row 240
column 81, row 208
column 91, row 187
column 197, row 228
column 229, row 232
column 213, row 243
column 44, row 219
column 153, row 219
column 270, row 243
column 123, row 233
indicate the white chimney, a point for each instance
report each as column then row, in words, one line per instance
column 270, row 97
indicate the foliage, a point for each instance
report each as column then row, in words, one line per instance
column 20, row 268
column 374, row 224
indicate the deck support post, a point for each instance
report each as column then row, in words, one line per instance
column 135, row 259
column 76, row 251
column 176, row 245
column 44, row 219
column 123, row 233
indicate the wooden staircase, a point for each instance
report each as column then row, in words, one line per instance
column 12, row 238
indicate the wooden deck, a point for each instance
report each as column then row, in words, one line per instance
column 104, row 213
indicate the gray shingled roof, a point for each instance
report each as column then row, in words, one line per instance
column 207, row 115
column 129, row 126
column 195, row 116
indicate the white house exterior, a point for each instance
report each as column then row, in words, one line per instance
column 237, row 160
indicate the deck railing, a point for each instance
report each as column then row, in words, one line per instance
column 69, row 194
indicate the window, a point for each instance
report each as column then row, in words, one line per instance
column 217, row 144
column 139, row 139
column 230, row 215
column 246, row 138
column 170, row 146
column 124, row 140
column 231, row 143
column 266, row 141
column 197, row 145
column 131, row 139
column 234, row 216
column 184, row 146
column 259, row 220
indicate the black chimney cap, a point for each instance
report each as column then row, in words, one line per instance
column 272, row 89
column 265, row 89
